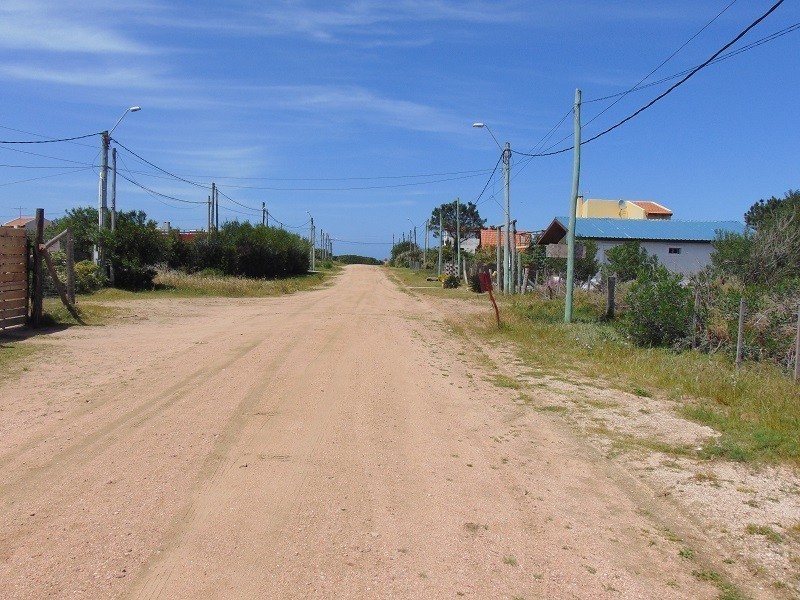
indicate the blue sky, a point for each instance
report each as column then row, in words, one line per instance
column 361, row 112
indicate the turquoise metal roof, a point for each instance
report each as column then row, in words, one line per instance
column 650, row 229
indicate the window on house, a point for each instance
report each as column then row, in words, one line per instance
column 674, row 251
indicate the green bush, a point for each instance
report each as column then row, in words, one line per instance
column 88, row 277
column 451, row 282
column 660, row 309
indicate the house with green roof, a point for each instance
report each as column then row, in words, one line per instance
column 681, row 246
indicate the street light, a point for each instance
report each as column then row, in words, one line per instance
column 103, row 191
column 506, row 188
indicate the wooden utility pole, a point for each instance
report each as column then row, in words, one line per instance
column 37, row 299
column 576, row 175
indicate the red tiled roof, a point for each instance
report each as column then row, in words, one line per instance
column 21, row 222
column 489, row 238
column 652, row 208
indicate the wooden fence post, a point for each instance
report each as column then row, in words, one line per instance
column 740, row 335
column 610, row 300
column 37, row 300
column 71, row 267
column 696, row 318
column 797, row 349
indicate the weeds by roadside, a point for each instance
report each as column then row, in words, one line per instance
column 757, row 409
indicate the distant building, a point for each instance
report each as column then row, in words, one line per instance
column 621, row 209
column 26, row 223
column 681, row 246
column 488, row 238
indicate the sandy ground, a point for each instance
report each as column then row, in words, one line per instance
column 331, row 444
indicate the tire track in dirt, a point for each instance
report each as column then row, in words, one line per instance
column 244, row 438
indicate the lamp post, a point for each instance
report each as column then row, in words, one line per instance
column 506, row 188
column 103, row 187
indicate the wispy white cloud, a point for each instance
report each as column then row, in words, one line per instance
column 44, row 25
column 85, row 76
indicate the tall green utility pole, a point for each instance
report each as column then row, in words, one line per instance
column 576, row 175
column 458, row 240
column 440, row 244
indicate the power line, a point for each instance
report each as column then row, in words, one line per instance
column 44, row 177
column 50, row 141
column 361, row 243
column 151, row 191
column 669, row 90
column 473, row 172
column 144, row 160
column 665, row 61
column 726, row 56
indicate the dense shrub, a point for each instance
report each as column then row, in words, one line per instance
column 88, row 277
column 451, row 281
column 660, row 309
column 133, row 250
column 354, row 259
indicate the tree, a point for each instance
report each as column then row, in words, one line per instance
column 628, row 259
column 765, row 210
column 660, row 309
column 588, row 266
column 470, row 222
column 769, row 255
column 83, row 223
column 133, row 249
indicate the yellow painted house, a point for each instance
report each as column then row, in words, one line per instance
column 621, row 209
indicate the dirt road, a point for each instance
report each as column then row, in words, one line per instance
column 332, row 444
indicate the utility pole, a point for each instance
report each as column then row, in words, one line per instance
column 458, row 240
column 440, row 244
column 499, row 268
column 576, row 174
column 313, row 248
column 113, row 189
column 216, row 208
column 213, row 206
column 425, row 255
column 507, row 246
column 102, row 198
column 263, row 214
column 514, row 256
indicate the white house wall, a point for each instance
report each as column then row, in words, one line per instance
column 692, row 256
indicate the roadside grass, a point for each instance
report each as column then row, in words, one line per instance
column 181, row 285
column 408, row 278
column 757, row 409
column 106, row 305
column 14, row 357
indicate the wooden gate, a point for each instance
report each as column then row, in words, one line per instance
column 13, row 277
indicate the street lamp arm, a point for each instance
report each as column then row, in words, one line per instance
column 481, row 126
column 131, row 109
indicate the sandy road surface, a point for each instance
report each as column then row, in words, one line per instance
column 331, row 444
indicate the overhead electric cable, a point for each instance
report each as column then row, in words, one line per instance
column 726, row 56
column 665, row 61
column 147, row 189
column 144, row 160
column 669, row 90
column 50, row 141
column 72, row 172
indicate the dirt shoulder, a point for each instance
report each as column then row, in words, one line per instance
column 338, row 443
